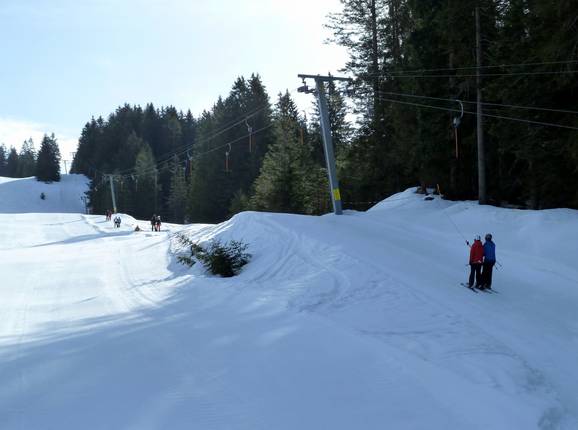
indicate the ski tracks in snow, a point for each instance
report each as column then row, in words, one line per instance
column 416, row 321
column 305, row 280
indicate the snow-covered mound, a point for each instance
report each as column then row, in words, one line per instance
column 23, row 195
column 350, row 322
column 455, row 359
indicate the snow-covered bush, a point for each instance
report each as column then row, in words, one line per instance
column 221, row 259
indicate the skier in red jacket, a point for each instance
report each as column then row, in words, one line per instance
column 476, row 260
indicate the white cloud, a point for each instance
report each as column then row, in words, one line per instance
column 15, row 131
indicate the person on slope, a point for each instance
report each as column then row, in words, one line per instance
column 158, row 223
column 117, row 221
column 108, row 214
column 476, row 259
column 153, row 222
column 489, row 261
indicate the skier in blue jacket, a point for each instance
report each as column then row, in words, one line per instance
column 489, row 261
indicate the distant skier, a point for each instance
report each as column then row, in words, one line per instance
column 489, row 261
column 43, row 196
column 476, row 259
column 153, row 222
column 117, row 221
column 158, row 223
column 108, row 214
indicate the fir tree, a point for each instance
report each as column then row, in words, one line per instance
column 146, row 185
column 288, row 178
column 239, row 203
column 27, row 159
column 216, row 179
column 178, row 193
column 341, row 130
column 3, row 160
column 359, row 27
column 48, row 162
column 12, row 163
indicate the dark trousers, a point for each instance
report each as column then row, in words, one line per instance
column 487, row 273
column 475, row 269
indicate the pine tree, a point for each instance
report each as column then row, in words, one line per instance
column 367, row 28
column 341, row 130
column 48, row 162
column 12, row 163
column 146, row 184
column 27, row 158
column 525, row 156
column 289, row 179
column 359, row 27
column 239, row 203
column 3, row 160
column 177, row 201
column 216, row 179
column 206, row 200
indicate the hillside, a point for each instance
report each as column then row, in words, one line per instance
column 346, row 322
column 23, row 195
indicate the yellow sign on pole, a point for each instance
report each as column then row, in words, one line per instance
column 336, row 194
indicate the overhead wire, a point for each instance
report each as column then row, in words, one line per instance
column 168, row 156
column 132, row 173
column 483, row 103
column 484, row 114
column 498, row 66
column 491, row 115
column 229, row 126
column 199, row 155
column 182, row 149
column 551, row 72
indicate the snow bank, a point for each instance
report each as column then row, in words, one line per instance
column 392, row 275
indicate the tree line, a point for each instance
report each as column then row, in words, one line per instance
column 245, row 153
column 414, row 70
column 44, row 164
column 413, row 59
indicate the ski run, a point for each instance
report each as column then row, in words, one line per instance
column 350, row 322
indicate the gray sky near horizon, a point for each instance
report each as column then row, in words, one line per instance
column 68, row 60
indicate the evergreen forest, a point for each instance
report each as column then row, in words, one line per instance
column 409, row 116
column 45, row 164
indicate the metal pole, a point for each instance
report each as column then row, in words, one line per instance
column 110, row 179
column 328, row 147
column 480, row 131
column 155, row 196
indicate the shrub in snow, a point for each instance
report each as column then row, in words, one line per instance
column 221, row 259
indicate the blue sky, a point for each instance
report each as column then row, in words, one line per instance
column 65, row 61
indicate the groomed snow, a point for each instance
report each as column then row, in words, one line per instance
column 351, row 322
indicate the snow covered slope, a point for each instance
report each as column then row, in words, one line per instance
column 351, row 322
column 23, row 195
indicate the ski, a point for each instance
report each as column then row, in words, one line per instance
column 463, row 284
column 488, row 291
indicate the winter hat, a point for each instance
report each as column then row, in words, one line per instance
column 477, row 237
column 489, row 236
